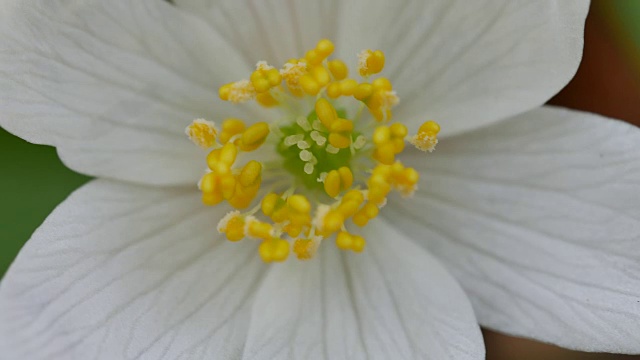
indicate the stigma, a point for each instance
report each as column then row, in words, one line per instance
column 332, row 170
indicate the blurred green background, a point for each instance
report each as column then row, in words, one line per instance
column 34, row 181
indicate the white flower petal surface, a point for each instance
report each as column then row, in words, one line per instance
column 126, row 272
column 113, row 84
column 470, row 63
column 464, row 64
column 539, row 219
column 393, row 301
column 274, row 31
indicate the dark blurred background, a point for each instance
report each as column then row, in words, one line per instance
column 34, row 181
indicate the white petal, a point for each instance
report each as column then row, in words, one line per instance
column 394, row 301
column 122, row 272
column 539, row 219
column 274, row 31
column 113, row 84
column 469, row 63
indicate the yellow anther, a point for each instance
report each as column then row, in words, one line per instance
column 221, row 168
column 381, row 135
column 211, row 198
column 224, row 91
column 299, row 219
column 341, row 125
column 202, row 133
column 370, row 210
column 214, row 163
column 209, row 183
column 269, row 203
column 430, row 127
column 280, row 214
column 321, row 75
column 378, row 188
column 333, row 221
column 398, row 145
column 324, row 47
column 370, row 62
column 339, row 141
column 344, row 240
column 237, row 92
column 305, row 248
column 348, row 87
column 293, row 230
column 338, row 69
column 250, row 173
column 382, row 170
column 254, row 136
column 348, row 208
column 230, row 127
column 396, row 169
column 312, row 57
column 265, row 77
column 326, row 112
column 309, row 85
column 363, row 91
column 382, row 83
column 411, row 175
column 358, row 243
column 380, row 104
column 360, row 219
column 274, row 250
column 243, row 196
column 228, row 154
column 291, row 74
column 259, row 81
column 385, row 153
column 232, row 225
column 366, row 213
column 274, row 77
column 266, row 99
column 333, row 90
column 258, row 229
column 332, row 183
column 398, row 130
column 346, row 177
column 427, row 137
column 354, row 195
column 227, row 186
column 299, row 203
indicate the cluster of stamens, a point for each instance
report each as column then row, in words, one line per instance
column 338, row 170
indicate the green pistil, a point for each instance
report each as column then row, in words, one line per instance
column 324, row 162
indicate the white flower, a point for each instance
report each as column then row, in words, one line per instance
column 536, row 214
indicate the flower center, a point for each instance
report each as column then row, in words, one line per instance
column 333, row 165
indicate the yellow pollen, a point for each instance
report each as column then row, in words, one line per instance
column 291, row 74
column 237, row 92
column 202, row 133
column 306, row 248
column 325, row 168
column 370, row 62
column 254, row 136
column 427, row 137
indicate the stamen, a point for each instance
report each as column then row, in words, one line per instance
column 370, row 62
column 326, row 151
column 427, row 137
column 202, row 133
column 238, row 92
